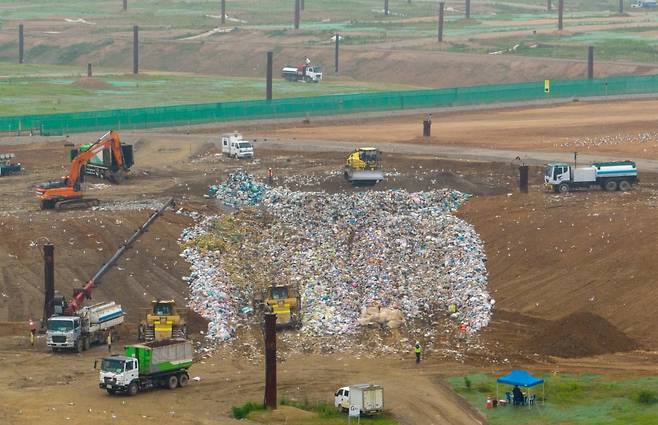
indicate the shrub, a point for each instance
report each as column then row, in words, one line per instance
column 646, row 397
column 467, row 383
column 241, row 412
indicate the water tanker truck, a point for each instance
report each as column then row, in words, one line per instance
column 610, row 176
column 87, row 326
column 153, row 364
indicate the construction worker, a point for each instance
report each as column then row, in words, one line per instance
column 109, row 342
column 418, row 350
column 33, row 332
column 270, row 176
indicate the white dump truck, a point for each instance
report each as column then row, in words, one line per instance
column 235, row 146
column 610, row 176
column 368, row 398
column 304, row 72
column 88, row 326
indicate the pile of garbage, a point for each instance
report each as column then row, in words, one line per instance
column 383, row 259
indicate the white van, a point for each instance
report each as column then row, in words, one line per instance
column 367, row 398
column 234, row 146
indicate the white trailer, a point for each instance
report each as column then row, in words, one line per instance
column 235, row 146
column 368, row 398
column 610, row 176
column 89, row 326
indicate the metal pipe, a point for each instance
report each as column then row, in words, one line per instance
column 85, row 292
column 268, row 77
column 270, row 360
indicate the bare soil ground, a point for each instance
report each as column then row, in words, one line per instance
column 548, row 257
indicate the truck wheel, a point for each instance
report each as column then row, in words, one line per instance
column 172, row 382
column 132, row 389
column 563, row 188
column 183, row 380
column 610, row 185
column 624, row 186
column 111, row 391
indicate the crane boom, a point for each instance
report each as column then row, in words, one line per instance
column 85, row 292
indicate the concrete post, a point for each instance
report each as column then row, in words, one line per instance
column 523, row 178
column 590, row 63
column 302, row 5
column 386, row 11
column 222, row 14
column 560, row 15
column 48, row 280
column 270, row 361
column 135, row 50
column 297, row 14
column 621, row 6
column 467, row 9
column 268, row 78
column 89, row 70
column 125, row 5
column 549, row 5
column 441, row 16
column 337, row 49
column 20, row 43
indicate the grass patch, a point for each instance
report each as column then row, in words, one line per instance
column 570, row 399
column 241, row 412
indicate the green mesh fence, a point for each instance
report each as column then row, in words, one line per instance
column 162, row 116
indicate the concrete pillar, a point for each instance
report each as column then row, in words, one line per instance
column 135, row 50
column 297, row 14
column 560, row 15
column 523, row 178
column 441, row 16
column 222, row 14
column 48, row 280
column 20, row 44
column 270, row 361
column 268, row 77
column 590, row 63
column 337, row 48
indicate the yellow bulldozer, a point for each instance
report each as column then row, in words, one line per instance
column 363, row 167
column 164, row 321
column 284, row 301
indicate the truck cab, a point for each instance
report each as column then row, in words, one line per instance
column 118, row 373
column 63, row 331
column 368, row 398
column 554, row 174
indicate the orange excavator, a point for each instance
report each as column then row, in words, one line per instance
column 67, row 193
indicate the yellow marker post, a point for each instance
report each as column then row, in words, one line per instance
column 547, row 86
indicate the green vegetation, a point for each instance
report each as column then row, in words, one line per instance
column 570, row 399
column 241, row 412
column 49, row 89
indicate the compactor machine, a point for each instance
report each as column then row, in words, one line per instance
column 363, row 167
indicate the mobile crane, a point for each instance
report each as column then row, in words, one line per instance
column 67, row 192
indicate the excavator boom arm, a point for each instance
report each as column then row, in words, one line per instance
column 110, row 139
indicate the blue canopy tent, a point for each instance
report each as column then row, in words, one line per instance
column 521, row 378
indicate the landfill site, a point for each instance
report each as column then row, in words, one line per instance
column 446, row 251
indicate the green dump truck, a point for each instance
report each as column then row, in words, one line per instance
column 103, row 165
column 154, row 364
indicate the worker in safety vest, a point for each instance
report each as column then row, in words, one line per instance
column 270, row 176
column 418, row 349
column 33, row 331
column 109, row 342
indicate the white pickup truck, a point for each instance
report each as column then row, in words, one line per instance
column 368, row 398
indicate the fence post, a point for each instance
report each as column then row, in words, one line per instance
column 590, row 63
column 268, row 82
column 135, row 49
column 560, row 15
column 222, row 18
column 20, row 43
column 440, row 29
